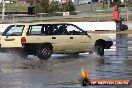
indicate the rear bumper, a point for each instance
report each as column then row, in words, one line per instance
column 108, row 44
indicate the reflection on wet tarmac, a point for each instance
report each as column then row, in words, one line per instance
column 63, row 71
column 121, row 45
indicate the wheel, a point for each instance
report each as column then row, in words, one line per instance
column 100, row 50
column 44, row 52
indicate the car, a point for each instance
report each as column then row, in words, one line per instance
column 44, row 39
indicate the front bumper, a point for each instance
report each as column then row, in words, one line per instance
column 108, row 44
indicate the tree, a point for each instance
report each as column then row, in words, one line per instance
column 130, row 2
column 44, row 6
column 68, row 6
column 118, row 2
column 31, row 2
column 54, row 7
column 104, row 2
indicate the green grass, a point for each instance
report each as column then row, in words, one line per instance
column 23, row 7
column 15, row 7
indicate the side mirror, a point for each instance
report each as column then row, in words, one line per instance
column 86, row 33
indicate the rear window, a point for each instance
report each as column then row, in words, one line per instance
column 41, row 29
column 14, row 30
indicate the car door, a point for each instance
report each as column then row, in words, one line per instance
column 60, row 39
column 79, row 41
column 11, row 37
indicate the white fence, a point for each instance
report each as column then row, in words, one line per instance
column 87, row 26
column 92, row 26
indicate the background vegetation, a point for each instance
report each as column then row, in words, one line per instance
column 44, row 6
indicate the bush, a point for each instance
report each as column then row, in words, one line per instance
column 44, row 6
column 54, row 7
column 70, row 6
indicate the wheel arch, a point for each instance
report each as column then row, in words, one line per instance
column 46, row 44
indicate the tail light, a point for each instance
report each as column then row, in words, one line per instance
column 23, row 40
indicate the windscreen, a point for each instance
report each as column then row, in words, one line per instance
column 13, row 30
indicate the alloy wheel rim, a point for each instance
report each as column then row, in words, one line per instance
column 45, row 51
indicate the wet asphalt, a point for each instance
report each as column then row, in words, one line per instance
column 63, row 71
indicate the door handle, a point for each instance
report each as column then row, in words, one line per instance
column 12, row 39
column 53, row 37
column 71, row 37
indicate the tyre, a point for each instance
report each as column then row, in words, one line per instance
column 100, row 50
column 44, row 52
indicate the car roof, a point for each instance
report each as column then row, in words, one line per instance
column 44, row 23
column 40, row 23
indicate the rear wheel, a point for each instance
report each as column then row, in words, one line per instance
column 100, row 50
column 44, row 52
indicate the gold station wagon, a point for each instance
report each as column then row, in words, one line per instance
column 43, row 39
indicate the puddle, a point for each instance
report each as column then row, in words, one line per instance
column 35, row 73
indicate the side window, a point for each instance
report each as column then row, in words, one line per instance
column 67, row 29
column 73, row 30
column 49, row 30
column 41, row 30
column 60, row 29
column 35, row 30
column 14, row 30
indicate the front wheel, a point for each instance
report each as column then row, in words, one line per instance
column 44, row 52
column 100, row 50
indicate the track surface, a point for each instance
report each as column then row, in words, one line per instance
column 63, row 71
